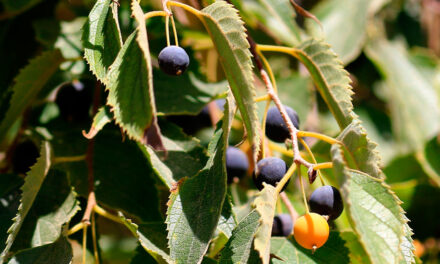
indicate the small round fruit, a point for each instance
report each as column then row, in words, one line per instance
column 74, row 100
column 282, row 225
column 25, row 155
column 311, row 231
column 173, row 60
column 237, row 163
column 276, row 128
column 326, row 200
column 271, row 171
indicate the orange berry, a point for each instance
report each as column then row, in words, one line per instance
column 419, row 249
column 311, row 231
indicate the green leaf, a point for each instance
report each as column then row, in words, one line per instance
column 123, row 177
column 333, row 251
column 278, row 17
column 28, row 84
column 33, row 181
column 194, row 94
column 412, row 124
column 228, row 35
column 102, row 117
column 142, row 257
column 357, row 251
column 361, row 149
column 54, row 206
column 152, row 237
column 345, row 25
column 70, row 45
column 130, row 86
column 374, row 212
column 239, row 246
column 101, row 38
column 195, row 203
column 185, row 157
column 330, row 78
column 59, row 252
column 264, row 204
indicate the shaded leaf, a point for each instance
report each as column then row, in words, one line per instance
column 33, row 181
column 54, row 206
column 142, row 257
column 195, row 203
column 412, row 124
column 16, row 7
column 59, row 252
column 27, row 87
column 289, row 251
column 357, row 251
column 152, row 237
column 184, row 158
column 228, row 34
column 227, row 222
column 239, row 246
column 264, row 204
column 101, row 38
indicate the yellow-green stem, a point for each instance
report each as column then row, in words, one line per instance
column 84, row 244
column 322, row 137
column 75, row 228
column 303, row 191
column 106, row 214
column 286, row 177
column 309, row 151
column 155, row 14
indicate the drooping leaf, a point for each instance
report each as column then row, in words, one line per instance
column 239, row 245
column 102, row 117
column 152, row 237
column 345, row 26
column 185, row 157
column 277, row 16
column 330, row 78
column 59, row 252
column 54, row 206
column 412, row 124
column 195, row 203
column 130, row 86
column 192, row 94
column 27, row 86
column 264, row 204
column 374, row 212
column 30, row 189
column 101, row 38
column 228, row 34
column 289, row 251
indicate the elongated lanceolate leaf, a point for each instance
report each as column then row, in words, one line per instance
column 330, row 78
column 101, row 38
column 239, row 246
column 374, row 212
column 33, row 181
column 228, row 34
column 264, row 204
column 412, row 124
column 287, row 250
column 28, row 84
column 195, row 203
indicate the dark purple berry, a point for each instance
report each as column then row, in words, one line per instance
column 74, row 100
column 237, row 163
column 276, row 128
column 25, row 155
column 173, row 60
column 282, row 225
column 326, row 200
column 271, row 171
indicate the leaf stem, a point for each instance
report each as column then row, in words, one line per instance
column 324, row 165
column 101, row 211
column 155, row 14
column 84, row 244
column 57, row 160
column 75, row 228
column 309, row 151
column 286, row 177
column 188, row 8
column 262, row 98
column 176, row 39
column 167, row 30
column 303, row 191
column 322, row 137
column 95, row 245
